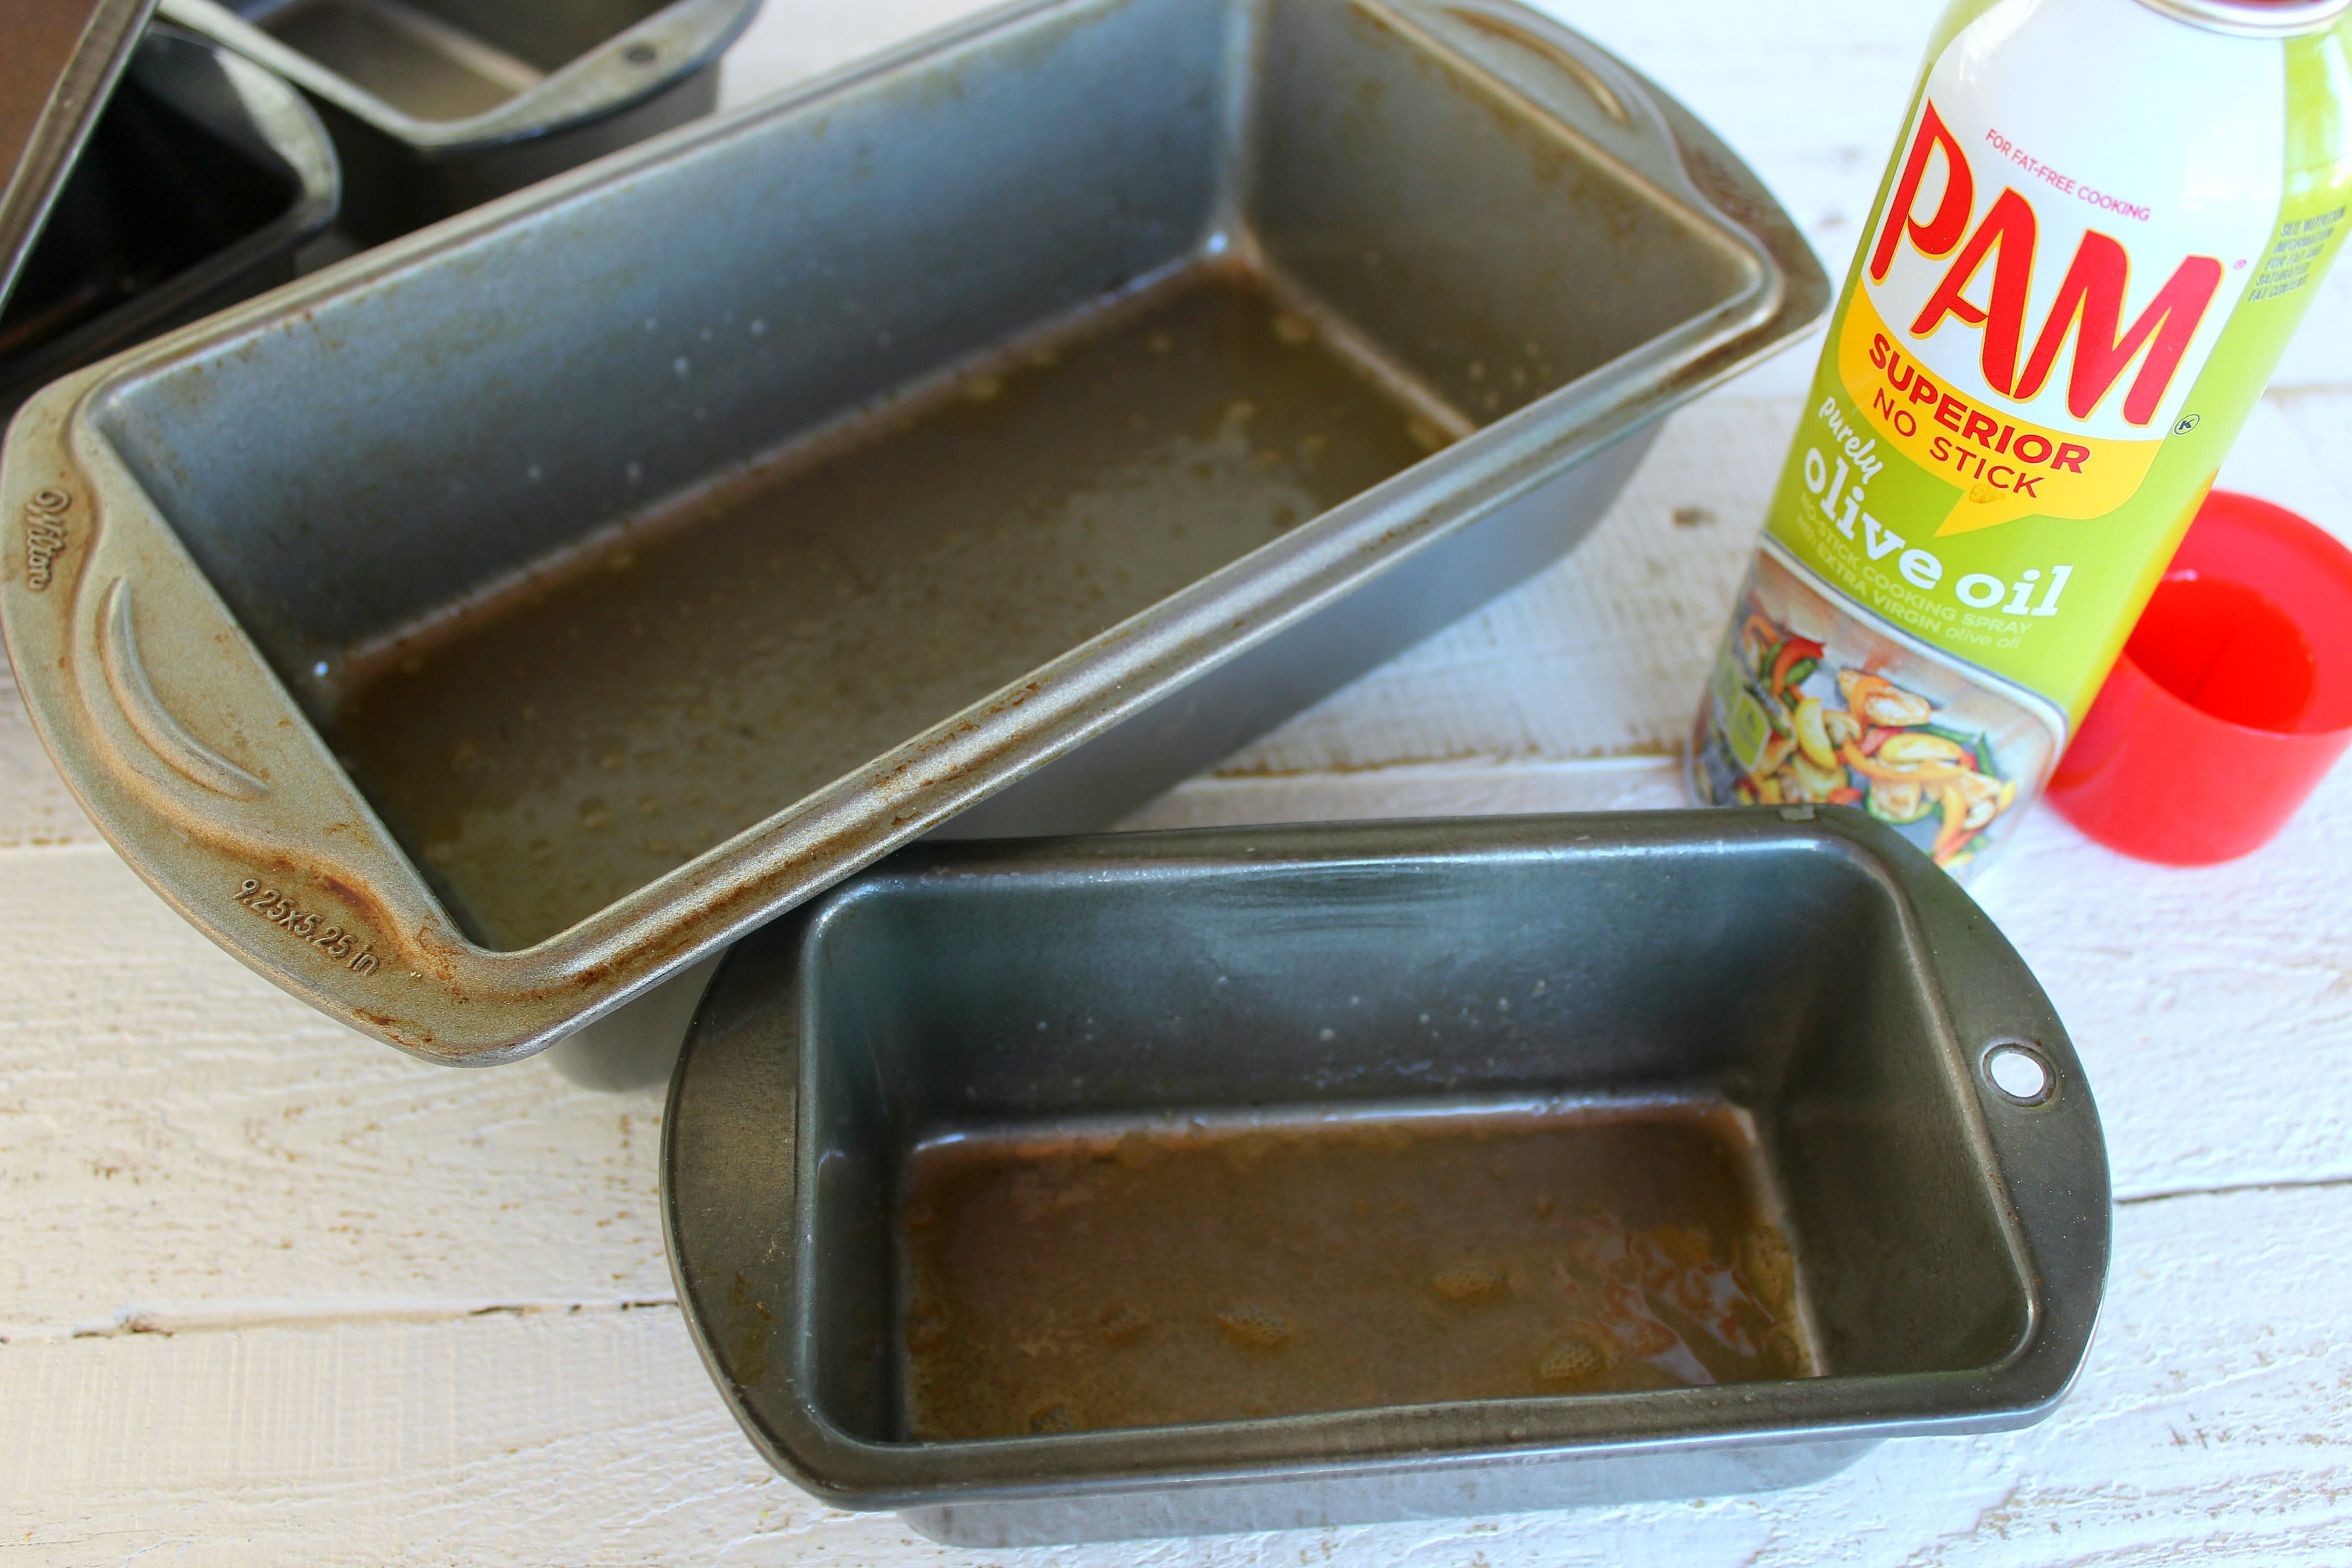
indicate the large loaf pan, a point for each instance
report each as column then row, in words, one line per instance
column 440, row 105
column 473, row 634
column 1806, row 980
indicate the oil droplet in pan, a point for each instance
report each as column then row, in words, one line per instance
column 1256, row 1327
column 1571, row 1360
column 1469, row 1282
column 1770, row 1268
column 926, row 1328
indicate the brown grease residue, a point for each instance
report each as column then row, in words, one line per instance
column 713, row 666
column 1065, row 1284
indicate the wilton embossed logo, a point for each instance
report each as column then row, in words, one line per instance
column 44, row 535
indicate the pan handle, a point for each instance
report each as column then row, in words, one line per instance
column 194, row 759
column 2035, row 1104
column 678, row 40
column 1594, row 95
column 100, row 640
column 1572, row 78
column 133, row 690
column 187, row 750
column 674, row 42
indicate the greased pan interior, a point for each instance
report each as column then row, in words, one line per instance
column 1784, row 1020
column 625, row 562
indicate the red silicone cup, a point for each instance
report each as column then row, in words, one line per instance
column 2232, row 699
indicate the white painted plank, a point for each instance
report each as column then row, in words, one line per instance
column 2209, row 1424
column 1602, row 655
column 180, row 1142
column 1605, row 654
column 181, row 1145
column 1418, row 789
column 35, row 807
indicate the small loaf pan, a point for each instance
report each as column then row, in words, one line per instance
column 1668, row 1145
column 440, row 105
column 202, row 178
column 1095, row 385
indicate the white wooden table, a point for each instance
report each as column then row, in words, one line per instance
column 272, row 1293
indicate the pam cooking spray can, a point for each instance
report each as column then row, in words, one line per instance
column 2102, row 223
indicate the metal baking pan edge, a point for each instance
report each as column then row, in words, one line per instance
column 81, row 534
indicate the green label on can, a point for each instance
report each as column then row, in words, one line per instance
column 2093, row 242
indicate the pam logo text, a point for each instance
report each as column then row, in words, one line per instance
column 1987, row 285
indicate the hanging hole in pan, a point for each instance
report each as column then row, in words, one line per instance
column 2020, row 1073
column 641, row 54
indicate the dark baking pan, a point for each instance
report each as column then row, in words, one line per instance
column 200, row 179
column 440, row 105
column 1264, row 1179
column 64, row 58
column 1057, row 403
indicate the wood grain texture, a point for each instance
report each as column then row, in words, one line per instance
column 181, row 1144
column 270, row 1293
column 35, row 807
column 2217, row 1432
column 1604, row 654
